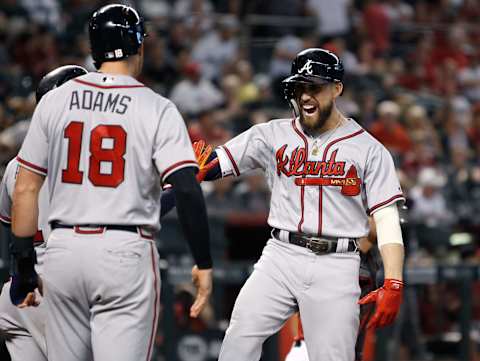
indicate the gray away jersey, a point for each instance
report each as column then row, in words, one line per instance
column 107, row 143
column 6, row 194
column 327, row 185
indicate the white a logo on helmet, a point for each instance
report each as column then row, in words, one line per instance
column 118, row 53
column 307, row 68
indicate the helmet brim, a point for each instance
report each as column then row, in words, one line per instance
column 312, row 79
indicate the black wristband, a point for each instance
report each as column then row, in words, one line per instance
column 22, row 247
column 205, row 264
column 23, row 255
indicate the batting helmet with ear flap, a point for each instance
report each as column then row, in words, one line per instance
column 57, row 77
column 116, row 32
column 312, row 66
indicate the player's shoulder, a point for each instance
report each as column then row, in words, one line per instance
column 12, row 168
column 10, row 174
column 368, row 140
column 274, row 124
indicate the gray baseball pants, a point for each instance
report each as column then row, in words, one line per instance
column 287, row 277
column 102, row 291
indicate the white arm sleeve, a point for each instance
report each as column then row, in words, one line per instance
column 387, row 222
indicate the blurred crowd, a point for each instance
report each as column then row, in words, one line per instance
column 412, row 80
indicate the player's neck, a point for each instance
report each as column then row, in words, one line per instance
column 117, row 68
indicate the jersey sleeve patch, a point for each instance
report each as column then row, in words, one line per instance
column 391, row 200
column 176, row 166
column 33, row 167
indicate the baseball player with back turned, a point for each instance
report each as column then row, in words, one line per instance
column 326, row 175
column 107, row 143
column 24, row 328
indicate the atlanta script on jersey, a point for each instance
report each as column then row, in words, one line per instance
column 326, row 185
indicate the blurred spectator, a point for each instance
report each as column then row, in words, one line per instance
column 178, row 38
column 13, row 9
column 464, row 187
column 197, row 14
column 454, row 46
column 248, row 91
column 474, row 131
column 44, row 12
column 339, row 47
column 194, row 94
column 429, row 212
column 158, row 11
column 219, row 201
column 208, row 127
column 429, row 204
column 453, row 132
column 399, row 12
column 333, row 16
column 389, row 131
column 377, row 25
column 159, row 67
column 214, row 50
column 469, row 78
column 184, row 8
column 422, row 132
column 252, row 193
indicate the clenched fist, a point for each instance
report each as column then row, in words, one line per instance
column 388, row 299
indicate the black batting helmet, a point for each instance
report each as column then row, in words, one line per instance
column 57, row 77
column 313, row 66
column 116, row 32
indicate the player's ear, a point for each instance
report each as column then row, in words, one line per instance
column 338, row 89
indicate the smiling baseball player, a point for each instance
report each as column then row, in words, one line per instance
column 326, row 176
column 108, row 143
column 24, row 328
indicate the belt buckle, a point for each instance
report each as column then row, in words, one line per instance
column 318, row 245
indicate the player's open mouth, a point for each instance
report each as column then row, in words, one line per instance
column 309, row 109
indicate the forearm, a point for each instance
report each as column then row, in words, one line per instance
column 25, row 211
column 392, row 256
column 192, row 215
column 390, row 242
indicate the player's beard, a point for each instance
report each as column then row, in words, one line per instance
column 315, row 122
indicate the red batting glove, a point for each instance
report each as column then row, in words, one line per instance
column 202, row 153
column 388, row 299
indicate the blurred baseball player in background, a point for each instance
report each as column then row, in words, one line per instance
column 107, row 143
column 326, row 176
column 24, row 328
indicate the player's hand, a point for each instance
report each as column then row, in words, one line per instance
column 202, row 153
column 202, row 280
column 388, row 299
column 22, row 290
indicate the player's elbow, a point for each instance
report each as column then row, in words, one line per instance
column 25, row 189
column 184, row 182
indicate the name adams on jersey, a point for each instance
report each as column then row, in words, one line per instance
column 98, row 101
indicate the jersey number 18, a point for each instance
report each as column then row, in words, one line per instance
column 98, row 154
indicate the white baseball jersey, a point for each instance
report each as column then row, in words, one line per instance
column 6, row 194
column 325, row 185
column 104, row 153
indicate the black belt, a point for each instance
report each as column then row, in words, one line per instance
column 110, row 227
column 315, row 244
